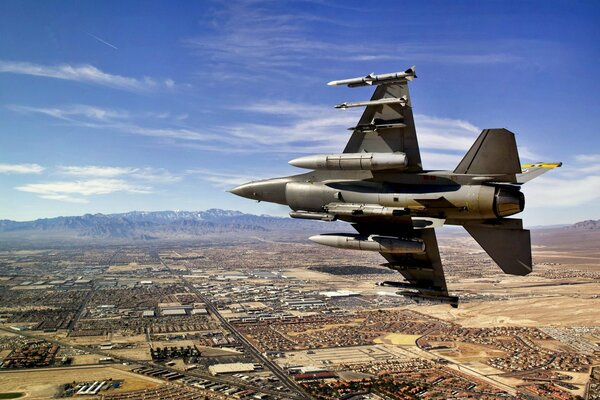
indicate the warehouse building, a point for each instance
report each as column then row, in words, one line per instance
column 230, row 368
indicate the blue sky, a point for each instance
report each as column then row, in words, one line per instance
column 115, row 106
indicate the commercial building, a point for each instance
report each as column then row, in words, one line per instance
column 339, row 293
column 230, row 368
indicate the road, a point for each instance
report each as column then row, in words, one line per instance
column 275, row 369
column 79, row 311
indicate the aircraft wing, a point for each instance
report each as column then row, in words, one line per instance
column 388, row 127
column 422, row 271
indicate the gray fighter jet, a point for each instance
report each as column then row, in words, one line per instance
column 379, row 186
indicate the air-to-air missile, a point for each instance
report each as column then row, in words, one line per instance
column 380, row 79
column 379, row 185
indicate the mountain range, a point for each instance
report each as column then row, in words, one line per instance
column 175, row 225
column 155, row 225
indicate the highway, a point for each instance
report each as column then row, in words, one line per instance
column 277, row 371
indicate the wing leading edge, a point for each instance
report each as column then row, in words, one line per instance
column 387, row 126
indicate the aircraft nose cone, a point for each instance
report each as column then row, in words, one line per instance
column 272, row 190
column 244, row 190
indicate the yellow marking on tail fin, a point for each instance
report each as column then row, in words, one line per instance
column 541, row 165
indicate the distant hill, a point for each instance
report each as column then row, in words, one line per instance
column 158, row 225
column 589, row 224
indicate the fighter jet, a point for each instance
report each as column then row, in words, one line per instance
column 378, row 185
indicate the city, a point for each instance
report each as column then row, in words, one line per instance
column 272, row 319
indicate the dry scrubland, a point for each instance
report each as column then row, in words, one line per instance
column 43, row 384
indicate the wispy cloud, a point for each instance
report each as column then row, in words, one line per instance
column 226, row 180
column 96, row 171
column 577, row 183
column 445, row 133
column 80, row 183
column 440, row 161
column 70, row 113
column 155, row 175
column 588, row 158
column 255, row 40
column 21, row 168
column 307, row 128
column 77, row 191
column 123, row 121
column 293, row 128
column 84, row 73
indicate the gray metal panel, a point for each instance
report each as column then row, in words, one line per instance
column 392, row 139
column 506, row 243
column 494, row 152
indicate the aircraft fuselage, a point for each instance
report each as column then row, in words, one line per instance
column 427, row 194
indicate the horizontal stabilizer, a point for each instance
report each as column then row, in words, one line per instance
column 493, row 153
column 506, row 242
column 532, row 171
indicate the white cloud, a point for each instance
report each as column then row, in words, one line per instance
column 448, row 125
column 309, row 128
column 292, row 128
column 21, row 168
column 156, row 175
column 440, row 161
column 70, row 113
column 586, row 158
column 104, row 118
column 169, row 133
column 575, row 184
column 285, row 108
column 64, row 197
column 561, row 191
column 525, row 154
column 227, row 180
column 67, row 190
column 96, row 171
column 82, row 73
column 93, row 180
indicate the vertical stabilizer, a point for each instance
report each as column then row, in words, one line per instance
column 493, row 153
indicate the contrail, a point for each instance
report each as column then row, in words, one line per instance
column 103, row 41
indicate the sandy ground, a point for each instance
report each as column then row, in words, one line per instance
column 44, row 383
column 139, row 354
column 533, row 312
column 86, row 359
column 398, row 339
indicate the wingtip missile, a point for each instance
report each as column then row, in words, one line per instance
column 406, row 75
